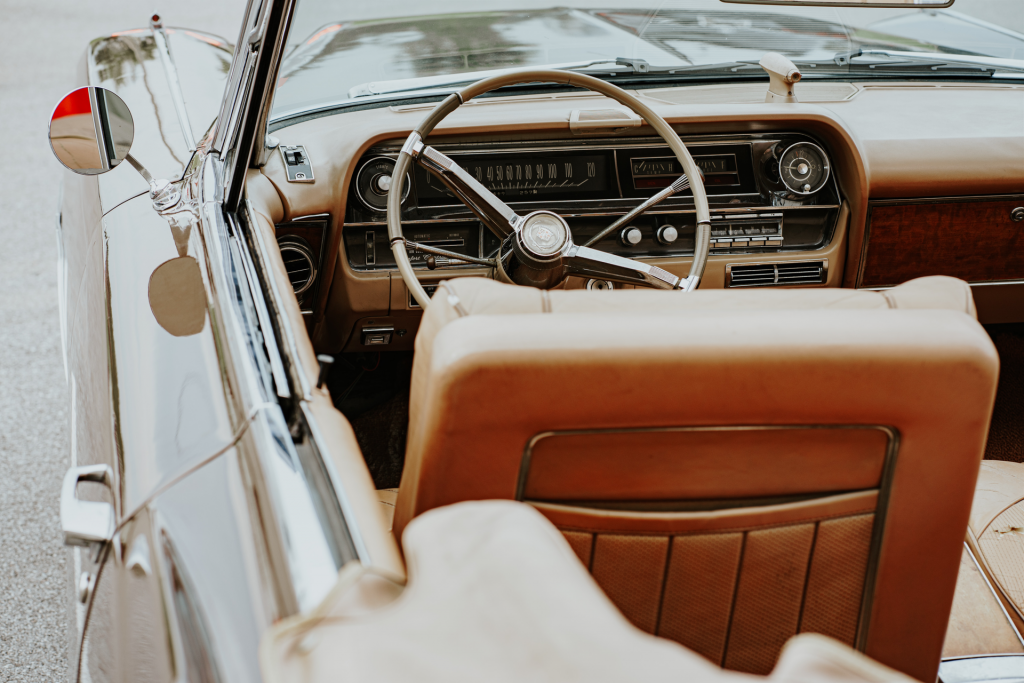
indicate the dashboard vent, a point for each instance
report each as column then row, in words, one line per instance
column 776, row 274
column 298, row 262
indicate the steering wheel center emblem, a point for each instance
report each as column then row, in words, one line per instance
column 544, row 233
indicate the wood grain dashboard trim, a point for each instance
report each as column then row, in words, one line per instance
column 972, row 238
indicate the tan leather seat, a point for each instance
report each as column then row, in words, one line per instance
column 732, row 467
column 494, row 594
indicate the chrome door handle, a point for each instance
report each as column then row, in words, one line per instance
column 86, row 522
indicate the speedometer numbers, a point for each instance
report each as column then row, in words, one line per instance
column 524, row 178
column 803, row 168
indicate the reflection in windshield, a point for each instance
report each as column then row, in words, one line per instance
column 330, row 59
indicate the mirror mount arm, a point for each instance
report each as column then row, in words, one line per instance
column 783, row 74
column 164, row 193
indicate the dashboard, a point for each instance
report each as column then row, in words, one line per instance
column 769, row 194
column 859, row 185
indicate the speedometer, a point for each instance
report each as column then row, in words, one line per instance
column 803, row 168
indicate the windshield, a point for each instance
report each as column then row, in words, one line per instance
column 346, row 53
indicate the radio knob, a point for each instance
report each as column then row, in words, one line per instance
column 382, row 184
column 667, row 234
column 631, row 236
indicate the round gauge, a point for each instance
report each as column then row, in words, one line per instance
column 374, row 180
column 803, row 168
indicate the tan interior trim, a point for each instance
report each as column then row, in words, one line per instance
column 531, row 445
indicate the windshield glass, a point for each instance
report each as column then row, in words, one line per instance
column 346, row 53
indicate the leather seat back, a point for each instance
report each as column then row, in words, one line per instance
column 732, row 467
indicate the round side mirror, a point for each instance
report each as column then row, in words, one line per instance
column 91, row 130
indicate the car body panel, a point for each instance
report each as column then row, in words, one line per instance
column 170, row 398
column 208, row 520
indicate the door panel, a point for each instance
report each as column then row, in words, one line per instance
column 126, row 635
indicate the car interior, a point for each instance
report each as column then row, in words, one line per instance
column 791, row 448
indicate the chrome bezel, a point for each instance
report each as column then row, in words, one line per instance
column 296, row 246
column 824, row 180
column 554, row 255
column 359, row 175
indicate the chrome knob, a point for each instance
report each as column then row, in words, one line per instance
column 1017, row 214
column 667, row 234
column 631, row 236
column 382, row 183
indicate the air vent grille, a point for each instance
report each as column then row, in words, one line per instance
column 298, row 263
column 776, row 274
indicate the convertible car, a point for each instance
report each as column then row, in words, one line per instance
column 662, row 341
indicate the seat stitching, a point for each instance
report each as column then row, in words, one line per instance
column 545, row 301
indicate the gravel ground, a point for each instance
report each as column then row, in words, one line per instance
column 41, row 42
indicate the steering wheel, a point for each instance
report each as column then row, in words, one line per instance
column 537, row 249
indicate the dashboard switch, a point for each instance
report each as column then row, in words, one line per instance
column 297, row 164
column 667, row 234
column 631, row 236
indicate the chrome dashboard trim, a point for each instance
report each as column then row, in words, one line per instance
column 586, row 214
column 754, row 141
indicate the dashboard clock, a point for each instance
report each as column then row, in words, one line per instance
column 803, row 168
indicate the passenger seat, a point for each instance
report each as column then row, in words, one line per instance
column 733, row 467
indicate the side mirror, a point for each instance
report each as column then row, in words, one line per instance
column 91, row 130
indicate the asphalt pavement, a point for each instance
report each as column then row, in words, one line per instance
column 41, row 42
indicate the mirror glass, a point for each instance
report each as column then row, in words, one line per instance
column 91, row 130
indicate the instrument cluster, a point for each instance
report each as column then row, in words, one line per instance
column 767, row 194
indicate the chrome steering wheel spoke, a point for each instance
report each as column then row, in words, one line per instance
column 494, row 213
column 591, row 263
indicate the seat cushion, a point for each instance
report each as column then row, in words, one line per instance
column 496, row 594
